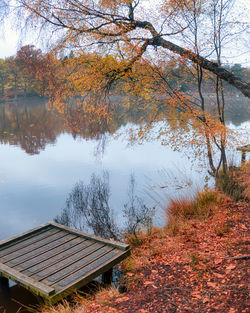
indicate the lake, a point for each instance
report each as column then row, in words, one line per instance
column 43, row 154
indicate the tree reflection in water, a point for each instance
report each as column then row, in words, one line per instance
column 31, row 124
column 137, row 214
column 87, row 207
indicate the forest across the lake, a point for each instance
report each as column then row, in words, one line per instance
column 33, row 72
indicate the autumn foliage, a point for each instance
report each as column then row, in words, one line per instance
column 199, row 268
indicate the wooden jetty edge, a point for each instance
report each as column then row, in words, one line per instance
column 53, row 260
column 244, row 150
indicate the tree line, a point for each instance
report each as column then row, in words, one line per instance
column 32, row 72
column 26, row 73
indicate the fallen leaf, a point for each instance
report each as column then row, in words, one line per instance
column 218, row 275
column 205, row 300
column 129, row 274
column 230, row 267
column 147, row 282
column 217, row 260
column 211, row 284
column 121, row 299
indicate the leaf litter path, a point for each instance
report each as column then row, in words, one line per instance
column 203, row 269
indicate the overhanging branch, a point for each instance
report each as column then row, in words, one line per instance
column 213, row 67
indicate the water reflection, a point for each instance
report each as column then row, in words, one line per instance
column 29, row 124
column 88, row 208
column 32, row 125
column 44, row 153
column 236, row 108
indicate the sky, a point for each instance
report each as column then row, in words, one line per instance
column 10, row 43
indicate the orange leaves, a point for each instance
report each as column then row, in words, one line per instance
column 218, row 261
column 148, row 283
column 113, row 4
column 230, row 267
column 121, row 299
column 211, row 284
column 163, row 280
column 129, row 274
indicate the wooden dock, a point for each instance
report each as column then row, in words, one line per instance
column 244, row 150
column 54, row 260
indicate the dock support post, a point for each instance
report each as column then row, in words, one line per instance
column 107, row 277
column 243, row 157
column 4, row 287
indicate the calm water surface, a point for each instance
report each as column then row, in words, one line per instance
column 42, row 158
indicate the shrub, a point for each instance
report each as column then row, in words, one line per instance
column 137, row 239
column 208, row 201
column 244, row 180
column 228, row 184
column 181, row 208
column 202, row 205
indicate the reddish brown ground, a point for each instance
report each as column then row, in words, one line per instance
column 200, row 270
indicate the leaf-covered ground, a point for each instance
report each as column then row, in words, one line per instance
column 202, row 269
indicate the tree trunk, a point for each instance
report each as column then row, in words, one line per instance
column 158, row 41
column 213, row 67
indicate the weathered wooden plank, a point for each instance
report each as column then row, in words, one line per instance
column 116, row 244
column 33, row 246
column 70, row 264
column 25, row 280
column 62, row 260
column 39, row 251
column 103, row 259
column 62, row 250
column 16, row 245
column 57, row 258
column 23, row 236
column 83, row 280
column 77, row 265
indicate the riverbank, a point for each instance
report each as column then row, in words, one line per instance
column 201, row 267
